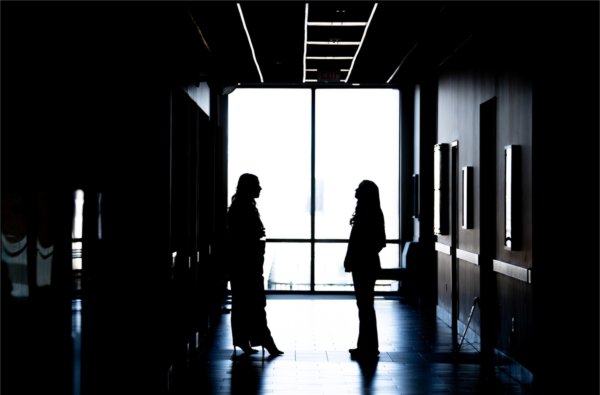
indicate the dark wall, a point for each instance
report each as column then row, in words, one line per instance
column 87, row 104
column 445, row 286
column 565, row 235
column 461, row 91
column 536, row 82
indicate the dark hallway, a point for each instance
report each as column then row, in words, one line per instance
column 126, row 115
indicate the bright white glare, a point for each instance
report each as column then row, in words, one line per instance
column 76, row 260
column 287, row 266
column 270, row 136
column 356, row 139
column 78, row 218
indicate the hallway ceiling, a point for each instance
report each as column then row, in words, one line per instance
column 392, row 39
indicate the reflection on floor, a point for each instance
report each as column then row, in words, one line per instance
column 316, row 332
column 76, row 336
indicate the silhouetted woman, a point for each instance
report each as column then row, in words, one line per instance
column 246, row 246
column 367, row 239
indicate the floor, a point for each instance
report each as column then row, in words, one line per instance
column 315, row 332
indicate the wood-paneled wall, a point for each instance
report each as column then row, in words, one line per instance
column 538, row 94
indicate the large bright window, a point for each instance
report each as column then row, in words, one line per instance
column 355, row 137
column 269, row 136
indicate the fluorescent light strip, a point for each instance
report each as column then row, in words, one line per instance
column 316, row 70
column 330, row 57
column 333, row 42
column 305, row 39
column 337, row 23
column 250, row 41
column 199, row 31
column 361, row 42
column 401, row 63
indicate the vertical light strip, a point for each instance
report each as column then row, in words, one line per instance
column 305, row 40
column 249, row 41
column 361, row 42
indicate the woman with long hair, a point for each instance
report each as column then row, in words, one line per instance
column 367, row 239
column 246, row 249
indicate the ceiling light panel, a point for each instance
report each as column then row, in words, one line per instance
column 333, row 34
column 340, row 11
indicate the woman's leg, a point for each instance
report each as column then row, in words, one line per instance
column 259, row 332
column 364, row 288
column 241, row 318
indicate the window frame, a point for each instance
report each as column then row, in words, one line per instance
column 313, row 241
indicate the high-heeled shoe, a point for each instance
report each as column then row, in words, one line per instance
column 271, row 348
column 245, row 348
column 272, row 351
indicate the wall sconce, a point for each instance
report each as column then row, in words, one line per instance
column 467, row 197
column 512, row 193
column 440, row 189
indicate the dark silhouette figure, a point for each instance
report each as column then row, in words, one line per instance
column 246, row 248
column 367, row 239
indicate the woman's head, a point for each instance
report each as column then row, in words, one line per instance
column 248, row 186
column 367, row 202
column 367, row 191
